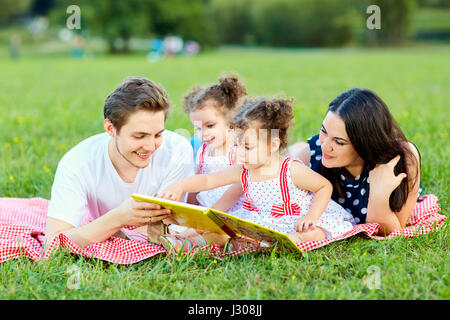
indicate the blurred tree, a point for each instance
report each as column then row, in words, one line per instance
column 285, row 22
column 395, row 21
column 118, row 21
column 232, row 21
column 115, row 21
column 12, row 8
column 434, row 3
column 186, row 18
column 261, row 22
column 41, row 7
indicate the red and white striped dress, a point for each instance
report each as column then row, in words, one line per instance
column 279, row 203
column 207, row 164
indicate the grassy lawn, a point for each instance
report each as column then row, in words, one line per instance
column 50, row 103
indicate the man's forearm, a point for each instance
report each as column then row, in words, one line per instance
column 96, row 231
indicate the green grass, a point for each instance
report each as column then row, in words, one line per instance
column 50, row 103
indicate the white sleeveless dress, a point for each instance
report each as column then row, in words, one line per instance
column 279, row 203
column 207, row 164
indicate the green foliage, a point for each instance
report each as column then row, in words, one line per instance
column 434, row 3
column 111, row 19
column 396, row 19
column 289, row 23
column 123, row 20
column 232, row 21
column 431, row 24
column 304, row 23
column 316, row 23
column 12, row 8
column 186, row 18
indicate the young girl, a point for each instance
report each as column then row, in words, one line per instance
column 283, row 194
column 210, row 110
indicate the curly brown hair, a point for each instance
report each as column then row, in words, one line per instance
column 226, row 95
column 268, row 113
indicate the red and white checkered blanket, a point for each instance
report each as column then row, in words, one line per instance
column 22, row 227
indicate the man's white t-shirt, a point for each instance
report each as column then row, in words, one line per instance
column 86, row 180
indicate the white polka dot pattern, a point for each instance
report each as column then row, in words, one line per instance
column 265, row 194
column 210, row 164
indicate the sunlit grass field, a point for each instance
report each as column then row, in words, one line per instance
column 50, row 103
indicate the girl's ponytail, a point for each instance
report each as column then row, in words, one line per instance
column 225, row 95
column 232, row 90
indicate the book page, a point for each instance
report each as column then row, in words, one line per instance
column 255, row 231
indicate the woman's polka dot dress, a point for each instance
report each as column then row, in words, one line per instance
column 356, row 197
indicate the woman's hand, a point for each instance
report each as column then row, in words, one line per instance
column 173, row 192
column 305, row 223
column 383, row 180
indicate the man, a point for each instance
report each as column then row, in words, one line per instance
column 135, row 155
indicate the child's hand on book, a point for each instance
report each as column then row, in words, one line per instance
column 305, row 223
column 171, row 193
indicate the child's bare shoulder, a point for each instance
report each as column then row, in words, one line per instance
column 299, row 170
column 298, row 165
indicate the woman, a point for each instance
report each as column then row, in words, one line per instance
column 374, row 170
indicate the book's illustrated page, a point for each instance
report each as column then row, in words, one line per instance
column 255, row 231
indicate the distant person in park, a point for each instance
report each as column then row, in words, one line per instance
column 14, row 45
column 191, row 48
column 77, row 49
column 173, row 45
column 374, row 169
column 135, row 155
column 156, row 52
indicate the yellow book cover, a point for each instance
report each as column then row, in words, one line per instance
column 212, row 220
column 185, row 214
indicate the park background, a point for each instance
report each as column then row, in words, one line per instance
column 53, row 83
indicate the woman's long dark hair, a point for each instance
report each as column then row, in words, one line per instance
column 376, row 138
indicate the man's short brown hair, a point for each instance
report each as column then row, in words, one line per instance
column 133, row 94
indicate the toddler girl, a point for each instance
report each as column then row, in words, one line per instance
column 210, row 110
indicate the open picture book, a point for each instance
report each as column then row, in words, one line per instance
column 212, row 220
